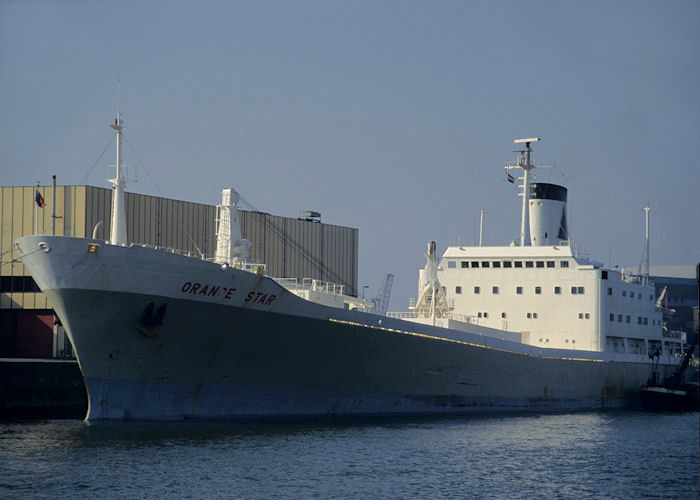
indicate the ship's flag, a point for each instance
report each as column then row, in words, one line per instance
column 39, row 199
column 510, row 178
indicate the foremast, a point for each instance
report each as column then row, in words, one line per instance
column 117, row 235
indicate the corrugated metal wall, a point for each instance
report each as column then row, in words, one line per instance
column 294, row 248
column 291, row 248
column 155, row 221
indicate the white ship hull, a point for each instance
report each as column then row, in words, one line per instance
column 235, row 344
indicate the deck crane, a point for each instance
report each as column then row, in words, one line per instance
column 381, row 301
column 660, row 300
column 666, row 312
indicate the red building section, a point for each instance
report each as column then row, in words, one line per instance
column 26, row 333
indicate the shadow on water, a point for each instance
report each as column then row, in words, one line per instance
column 200, row 431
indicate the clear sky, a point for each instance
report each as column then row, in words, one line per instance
column 394, row 117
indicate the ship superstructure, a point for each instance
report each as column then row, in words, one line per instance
column 160, row 334
column 544, row 288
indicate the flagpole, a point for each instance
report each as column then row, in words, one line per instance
column 36, row 209
column 53, row 206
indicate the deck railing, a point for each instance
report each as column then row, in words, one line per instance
column 252, row 266
column 296, row 284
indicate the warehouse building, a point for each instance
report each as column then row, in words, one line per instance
column 289, row 247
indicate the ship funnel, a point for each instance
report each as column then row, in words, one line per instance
column 547, row 214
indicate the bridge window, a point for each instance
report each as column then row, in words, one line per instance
column 465, row 264
column 529, row 264
column 485, row 264
column 564, row 263
column 475, row 263
column 518, row 263
column 451, row 264
column 497, row 263
column 458, row 290
column 494, row 290
column 550, row 263
column 507, row 263
column 538, row 290
column 540, row 264
column 557, row 290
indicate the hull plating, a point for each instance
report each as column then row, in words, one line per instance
column 246, row 354
column 215, row 361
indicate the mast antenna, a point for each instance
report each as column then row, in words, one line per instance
column 525, row 164
column 645, row 272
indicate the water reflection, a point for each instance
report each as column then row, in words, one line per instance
column 600, row 453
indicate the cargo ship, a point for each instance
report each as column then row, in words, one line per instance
column 530, row 326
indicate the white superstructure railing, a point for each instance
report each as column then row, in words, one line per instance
column 413, row 315
column 576, row 251
column 296, row 284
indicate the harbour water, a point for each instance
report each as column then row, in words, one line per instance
column 617, row 454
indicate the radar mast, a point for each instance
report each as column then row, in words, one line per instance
column 525, row 164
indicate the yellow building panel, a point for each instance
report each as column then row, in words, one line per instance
column 17, row 213
column 2, row 193
column 15, row 300
column 28, row 207
column 27, row 300
column 40, row 301
column 5, row 230
column 68, row 211
column 60, row 210
column 79, row 217
column 45, row 213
